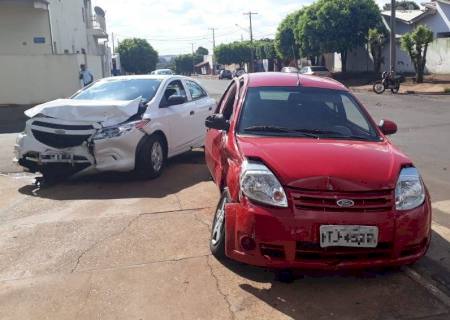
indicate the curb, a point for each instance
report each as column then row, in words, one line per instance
column 407, row 92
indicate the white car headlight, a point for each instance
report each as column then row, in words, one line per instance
column 119, row 130
column 260, row 184
column 410, row 191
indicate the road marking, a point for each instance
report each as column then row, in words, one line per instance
column 431, row 288
column 443, row 206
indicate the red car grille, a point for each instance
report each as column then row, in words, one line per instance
column 313, row 251
column 326, row 201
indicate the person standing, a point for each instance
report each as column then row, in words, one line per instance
column 86, row 76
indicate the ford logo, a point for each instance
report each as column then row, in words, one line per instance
column 345, row 203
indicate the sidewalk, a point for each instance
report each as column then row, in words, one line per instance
column 412, row 88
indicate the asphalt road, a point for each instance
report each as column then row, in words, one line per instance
column 108, row 247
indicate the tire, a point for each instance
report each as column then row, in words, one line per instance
column 378, row 87
column 151, row 157
column 217, row 240
column 395, row 90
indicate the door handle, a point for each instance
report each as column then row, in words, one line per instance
column 192, row 112
column 210, row 108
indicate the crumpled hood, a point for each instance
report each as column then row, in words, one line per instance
column 328, row 164
column 108, row 113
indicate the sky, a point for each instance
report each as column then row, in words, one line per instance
column 173, row 26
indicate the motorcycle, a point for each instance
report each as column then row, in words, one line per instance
column 387, row 82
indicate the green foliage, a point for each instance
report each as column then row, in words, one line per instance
column 265, row 49
column 402, row 5
column 286, row 45
column 201, row 51
column 184, row 64
column 377, row 39
column 416, row 44
column 238, row 52
column 137, row 56
column 336, row 26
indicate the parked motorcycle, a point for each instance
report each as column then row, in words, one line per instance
column 387, row 82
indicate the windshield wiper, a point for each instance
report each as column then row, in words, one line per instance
column 280, row 129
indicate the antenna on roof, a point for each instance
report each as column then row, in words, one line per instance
column 298, row 77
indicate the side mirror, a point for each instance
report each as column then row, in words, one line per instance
column 387, row 127
column 217, row 121
column 175, row 100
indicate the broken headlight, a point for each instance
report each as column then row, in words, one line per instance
column 119, row 130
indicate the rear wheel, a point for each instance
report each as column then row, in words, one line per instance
column 378, row 87
column 217, row 241
column 150, row 157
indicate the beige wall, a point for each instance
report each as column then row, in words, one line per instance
column 37, row 79
column 18, row 27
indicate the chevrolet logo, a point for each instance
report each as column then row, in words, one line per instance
column 60, row 131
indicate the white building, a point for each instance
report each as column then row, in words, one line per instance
column 42, row 44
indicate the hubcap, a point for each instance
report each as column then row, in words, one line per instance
column 217, row 228
column 157, row 156
column 379, row 87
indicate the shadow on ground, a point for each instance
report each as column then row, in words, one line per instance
column 386, row 293
column 181, row 172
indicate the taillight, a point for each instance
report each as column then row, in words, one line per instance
column 141, row 124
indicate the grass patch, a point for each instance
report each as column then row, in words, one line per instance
column 447, row 90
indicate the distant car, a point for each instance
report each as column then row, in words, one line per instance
column 289, row 69
column 127, row 123
column 238, row 73
column 320, row 71
column 162, row 72
column 225, row 74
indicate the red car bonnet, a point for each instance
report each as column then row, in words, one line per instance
column 327, row 164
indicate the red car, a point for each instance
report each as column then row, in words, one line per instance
column 309, row 181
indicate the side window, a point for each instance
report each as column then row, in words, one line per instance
column 353, row 114
column 196, row 91
column 174, row 88
column 227, row 107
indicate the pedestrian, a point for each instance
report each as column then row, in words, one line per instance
column 86, row 76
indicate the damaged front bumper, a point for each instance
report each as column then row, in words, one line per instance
column 45, row 148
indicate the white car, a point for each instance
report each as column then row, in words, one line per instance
column 129, row 123
column 320, row 71
column 163, row 72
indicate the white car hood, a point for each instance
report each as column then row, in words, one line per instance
column 107, row 112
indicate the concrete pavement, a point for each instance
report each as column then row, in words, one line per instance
column 108, row 247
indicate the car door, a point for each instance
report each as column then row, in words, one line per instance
column 202, row 105
column 214, row 141
column 180, row 118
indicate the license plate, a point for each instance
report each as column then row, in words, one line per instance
column 348, row 236
column 55, row 156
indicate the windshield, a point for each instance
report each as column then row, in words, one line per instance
column 307, row 112
column 120, row 89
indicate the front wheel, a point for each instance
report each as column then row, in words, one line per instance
column 217, row 241
column 378, row 87
column 150, row 157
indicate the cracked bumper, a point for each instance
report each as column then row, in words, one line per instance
column 287, row 240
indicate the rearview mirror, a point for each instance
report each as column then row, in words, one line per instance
column 175, row 100
column 217, row 121
column 387, row 127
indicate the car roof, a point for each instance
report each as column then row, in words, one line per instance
column 283, row 79
column 147, row 77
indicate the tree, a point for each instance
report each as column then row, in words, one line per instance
column 238, row 52
column 377, row 39
column 416, row 44
column 201, row 52
column 137, row 56
column 402, row 5
column 184, row 64
column 286, row 45
column 337, row 26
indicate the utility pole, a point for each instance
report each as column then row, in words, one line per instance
column 249, row 14
column 113, row 47
column 213, row 71
column 392, row 56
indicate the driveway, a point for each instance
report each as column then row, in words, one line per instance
column 109, row 247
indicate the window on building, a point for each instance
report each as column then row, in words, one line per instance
column 443, row 35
